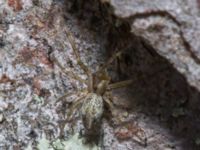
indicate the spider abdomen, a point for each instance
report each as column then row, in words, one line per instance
column 92, row 110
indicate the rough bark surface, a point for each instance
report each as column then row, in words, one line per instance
column 161, row 54
column 171, row 27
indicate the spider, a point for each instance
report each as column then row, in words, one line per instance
column 97, row 93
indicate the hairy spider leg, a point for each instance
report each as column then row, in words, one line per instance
column 75, row 105
column 110, row 103
column 69, row 72
column 102, row 70
column 85, row 68
column 128, row 82
column 112, row 86
column 77, row 102
column 67, row 94
column 140, row 134
column 120, row 84
column 110, row 60
column 107, row 98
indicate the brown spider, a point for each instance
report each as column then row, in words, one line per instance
column 95, row 95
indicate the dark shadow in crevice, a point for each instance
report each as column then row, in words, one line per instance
column 159, row 89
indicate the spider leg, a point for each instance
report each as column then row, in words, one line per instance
column 129, row 82
column 69, row 72
column 110, row 60
column 67, row 94
column 86, row 70
column 109, row 101
column 140, row 134
column 76, row 104
column 72, row 108
column 119, row 84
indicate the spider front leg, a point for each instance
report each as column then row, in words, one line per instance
column 86, row 70
column 110, row 60
column 67, row 94
column 69, row 72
